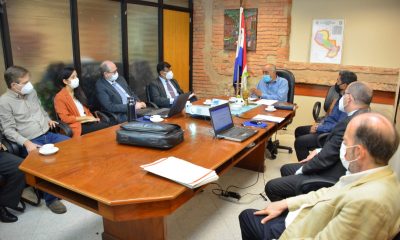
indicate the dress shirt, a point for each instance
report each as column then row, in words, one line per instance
column 343, row 181
column 121, row 91
column 22, row 117
column 79, row 106
column 164, row 83
column 274, row 90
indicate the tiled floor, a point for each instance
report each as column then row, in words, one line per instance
column 205, row 216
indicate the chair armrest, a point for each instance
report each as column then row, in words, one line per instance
column 151, row 104
column 322, row 139
column 11, row 147
column 113, row 119
column 316, row 110
column 63, row 128
column 314, row 184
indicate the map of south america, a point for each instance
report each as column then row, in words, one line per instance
column 322, row 38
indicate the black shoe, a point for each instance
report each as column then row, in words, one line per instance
column 6, row 216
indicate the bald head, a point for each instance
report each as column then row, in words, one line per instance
column 107, row 69
column 376, row 134
column 270, row 69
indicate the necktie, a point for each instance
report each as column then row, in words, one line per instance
column 121, row 92
column 170, row 89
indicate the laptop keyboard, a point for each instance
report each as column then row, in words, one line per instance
column 236, row 132
column 162, row 111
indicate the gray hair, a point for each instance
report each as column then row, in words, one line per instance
column 361, row 93
column 104, row 67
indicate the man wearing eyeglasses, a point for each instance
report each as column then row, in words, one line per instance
column 113, row 91
column 323, row 162
column 271, row 86
column 307, row 136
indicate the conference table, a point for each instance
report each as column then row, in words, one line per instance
column 100, row 175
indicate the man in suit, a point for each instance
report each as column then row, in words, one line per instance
column 362, row 205
column 164, row 89
column 10, row 193
column 307, row 136
column 112, row 92
column 322, row 162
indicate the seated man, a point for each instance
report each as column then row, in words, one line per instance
column 326, row 162
column 271, row 86
column 362, row 205
column 112, row 92
column 25, row 122
column 307, row 136
column 165, row 88
column 10, row 193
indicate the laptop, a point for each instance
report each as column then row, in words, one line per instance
column 221, row 119
column 177, row 106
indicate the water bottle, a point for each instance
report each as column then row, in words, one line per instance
column 131, row 112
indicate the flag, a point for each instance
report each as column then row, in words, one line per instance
column 240, row 72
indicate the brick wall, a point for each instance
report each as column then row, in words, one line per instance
column 213, row 67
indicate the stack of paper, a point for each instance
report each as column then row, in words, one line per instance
column 261, row 117
column 266, row 102
column 181, row 171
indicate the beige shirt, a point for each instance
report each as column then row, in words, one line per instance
column 22, row 117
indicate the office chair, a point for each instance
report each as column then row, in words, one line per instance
column 273, row 146
column 309, row 185
column 148, row 99
column 331, row 96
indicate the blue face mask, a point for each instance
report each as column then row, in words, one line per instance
column 266, row 78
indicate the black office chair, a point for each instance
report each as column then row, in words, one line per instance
column 331, row 96
column 309, row 185
column 273, row 146
column 148, row 98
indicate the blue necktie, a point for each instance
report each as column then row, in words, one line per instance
column 121, row 92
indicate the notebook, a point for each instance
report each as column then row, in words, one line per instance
column 177, row 107
column 222, row 123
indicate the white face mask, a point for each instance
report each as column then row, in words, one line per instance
column 27, row 88
column 169, row 75
column 113, row 77
column 74, row 83
column 341, row 104
column 346, row 163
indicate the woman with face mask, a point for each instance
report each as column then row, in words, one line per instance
column 71, row 105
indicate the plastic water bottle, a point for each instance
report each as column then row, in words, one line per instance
column 131, row 111
column 187, row 107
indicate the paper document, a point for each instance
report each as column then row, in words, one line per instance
column 181, row 171
column 266, row 102
column 261, row 117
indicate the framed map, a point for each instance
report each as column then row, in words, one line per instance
column 231, row 28
column 327, row 41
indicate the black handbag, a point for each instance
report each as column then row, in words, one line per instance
column 149, row 134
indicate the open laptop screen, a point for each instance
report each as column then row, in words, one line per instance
column 221, row 118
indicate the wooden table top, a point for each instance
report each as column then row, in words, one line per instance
column 96, row 166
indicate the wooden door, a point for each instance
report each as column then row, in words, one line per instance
column 176, row 45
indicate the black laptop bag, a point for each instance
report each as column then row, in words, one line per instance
column 148, row 134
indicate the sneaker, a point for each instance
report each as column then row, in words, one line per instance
column 57, row 207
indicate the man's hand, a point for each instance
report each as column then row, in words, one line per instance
column 310, row 156
column 52, row 124
column 140, row 105
column 256, row 92
column 30, row 146
column 273, row 210
column 313, row 128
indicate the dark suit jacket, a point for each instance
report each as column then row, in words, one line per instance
column 109, row 98
column 158, row 95
column 327, row 162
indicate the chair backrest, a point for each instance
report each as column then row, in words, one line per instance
column 331, row 96
column 288, row 75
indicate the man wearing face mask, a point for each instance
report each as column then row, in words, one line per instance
column 307, row 136
column 323, row 162
column 362, row 205
column 165, row 88
column 271, row 86
column 112, row 91
column 24, row 121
